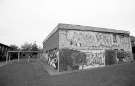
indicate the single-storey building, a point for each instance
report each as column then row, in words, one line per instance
column 71, row 47
column 3, row 51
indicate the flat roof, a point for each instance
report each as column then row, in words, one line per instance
column 4, row 45
column 63, row 26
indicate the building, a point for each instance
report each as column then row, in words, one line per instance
column 71, row 47
column 3, row 51
column 133, row 45
column 132, row 41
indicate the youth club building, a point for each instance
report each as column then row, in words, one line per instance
column 75, row 47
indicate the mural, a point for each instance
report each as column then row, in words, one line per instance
column 93, row 43
column 93, row 40
column 52, row 56
column 94, row 57
column 123, row 56
column 87, row 48
column 71, row 59
column 124, row 43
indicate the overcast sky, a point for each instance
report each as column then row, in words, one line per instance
column 32, row 20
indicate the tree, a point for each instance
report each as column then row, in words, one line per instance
column 14, row 47
column 34, row 47
column 30, row 47
column 26, row 47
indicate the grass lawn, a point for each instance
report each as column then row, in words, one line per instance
column 34, row 74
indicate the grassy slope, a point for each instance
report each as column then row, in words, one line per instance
column 32, row 74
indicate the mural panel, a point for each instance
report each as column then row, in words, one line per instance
column 88, row 41
column 93, row 40
column 95, row 57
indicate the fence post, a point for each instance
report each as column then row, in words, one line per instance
column 58, row 60
column 7, row 58
column 18, row 56
column 28, row 58
column 82, row 66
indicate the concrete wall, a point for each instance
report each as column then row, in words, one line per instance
column 93, row 40
column 94, row 44
column 50, row 50
column 91, row 45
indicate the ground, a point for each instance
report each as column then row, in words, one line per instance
column 33, row 73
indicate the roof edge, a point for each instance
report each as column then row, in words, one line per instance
column 90, row 28
column 81, row 27
column 50, row 34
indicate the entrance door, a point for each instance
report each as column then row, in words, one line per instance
column 110, row 57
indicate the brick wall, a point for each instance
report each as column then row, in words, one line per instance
column 52, row 42
column 94, row 44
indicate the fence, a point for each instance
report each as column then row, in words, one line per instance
column 20, row 55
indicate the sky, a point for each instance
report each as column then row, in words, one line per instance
column 31, row 21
